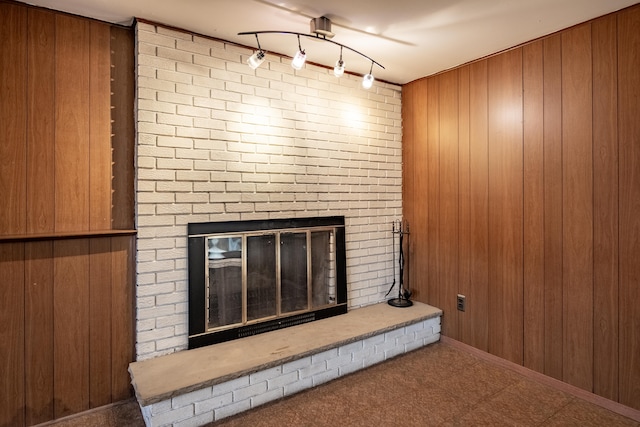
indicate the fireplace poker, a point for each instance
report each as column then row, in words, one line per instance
column 393, row 264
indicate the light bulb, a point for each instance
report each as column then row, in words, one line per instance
column 338, row 70
column 367, row 81
column 256, row 59
column 298, row 60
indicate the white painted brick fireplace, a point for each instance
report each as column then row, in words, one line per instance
column 218, row 141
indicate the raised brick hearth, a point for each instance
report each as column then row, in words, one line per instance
column 199, row 386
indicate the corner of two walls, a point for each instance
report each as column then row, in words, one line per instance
column 218, row 141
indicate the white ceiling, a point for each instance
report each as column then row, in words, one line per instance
column 410, row 38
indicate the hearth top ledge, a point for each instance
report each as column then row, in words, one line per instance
column 164, row 377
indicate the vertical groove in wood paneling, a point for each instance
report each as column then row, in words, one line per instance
column 464, row 218
column 605, row 208
column 13, row 117
column 552, row 128
column 40, row 122
column 99, row 127
column 433, row 193
column 629, row 204
column 12, row 334
column 533, row 281
column 479, row 207
column 505, row 205
column 418, row 223
column 71, row 326
column 123, row 127
column 577, row 209
column 409, row 197
column 122, row 315
column 100, row 309
column 72, row 124
column 449, row 199
column 39, row 331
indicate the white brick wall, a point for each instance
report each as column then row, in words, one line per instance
column 223, row 400
column 218, row 141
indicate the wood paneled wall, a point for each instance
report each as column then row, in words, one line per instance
column 66, row 288
column 521, row 186
column 68, row 340
column 56, row 108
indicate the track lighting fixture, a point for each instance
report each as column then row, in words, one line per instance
column 338, row 70
column 367, row 80
column 299, row 58
column 257, row 58
column 320, row 30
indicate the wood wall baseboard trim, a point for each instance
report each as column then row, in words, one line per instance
column 577, row 392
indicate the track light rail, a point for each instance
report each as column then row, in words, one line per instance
column 313, row 36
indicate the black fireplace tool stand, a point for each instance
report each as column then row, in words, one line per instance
column 398, row 229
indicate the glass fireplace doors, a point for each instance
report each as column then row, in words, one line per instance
column 258, row 276
column 254, row 277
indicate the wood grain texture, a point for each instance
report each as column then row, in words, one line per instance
column 505, row 205
column 99, row 127
column 449, row 200
column 57, row 356
column 552, row 128
column 554, row 194
column 39, row 332
column 40, row 125
column 605, row 208
column 13, row 118
column 100, row 311
column 409, row 117
column 122, row 127
column 577, row 207
column 464, row 206
column 478, row 293
column 533, row 280
column 629, row 136
column 12, row 335
column 122, row 315
column 72, row 124
column 418, row 224
column 71, row 326
column 433, row 193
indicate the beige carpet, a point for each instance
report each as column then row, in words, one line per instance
column 438, row 385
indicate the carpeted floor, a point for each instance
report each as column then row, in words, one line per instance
column 438, row 385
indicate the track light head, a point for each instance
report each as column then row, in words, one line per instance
column 256, row 59
column 367, row 80
column 338, row 70
column 298, row 60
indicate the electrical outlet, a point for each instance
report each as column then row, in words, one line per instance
column 461, row 302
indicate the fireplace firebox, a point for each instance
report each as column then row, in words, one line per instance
column 249, row 277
